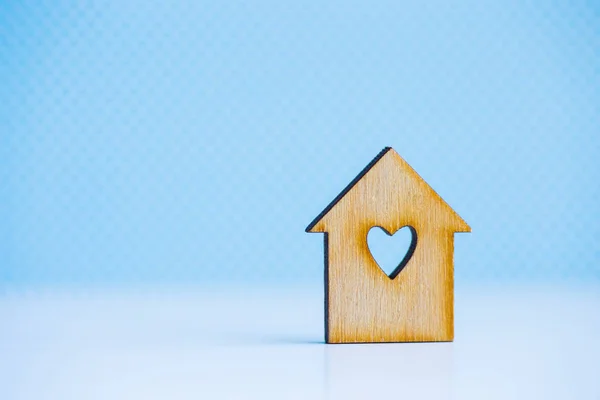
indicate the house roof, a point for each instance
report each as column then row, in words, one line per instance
column 461, row 225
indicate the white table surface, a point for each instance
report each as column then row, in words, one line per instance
column 267, row 343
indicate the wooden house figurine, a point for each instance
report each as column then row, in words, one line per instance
column 415, row 303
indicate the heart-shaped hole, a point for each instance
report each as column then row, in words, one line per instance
column 392, row 251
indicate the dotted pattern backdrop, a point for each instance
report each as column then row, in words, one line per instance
column 157, row 142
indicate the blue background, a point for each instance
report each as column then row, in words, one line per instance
column 192, row 142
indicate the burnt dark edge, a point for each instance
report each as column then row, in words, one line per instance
column 409, row 253
column 326, row 279
column 347, row 188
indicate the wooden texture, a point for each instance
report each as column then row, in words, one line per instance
column 362, row 303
